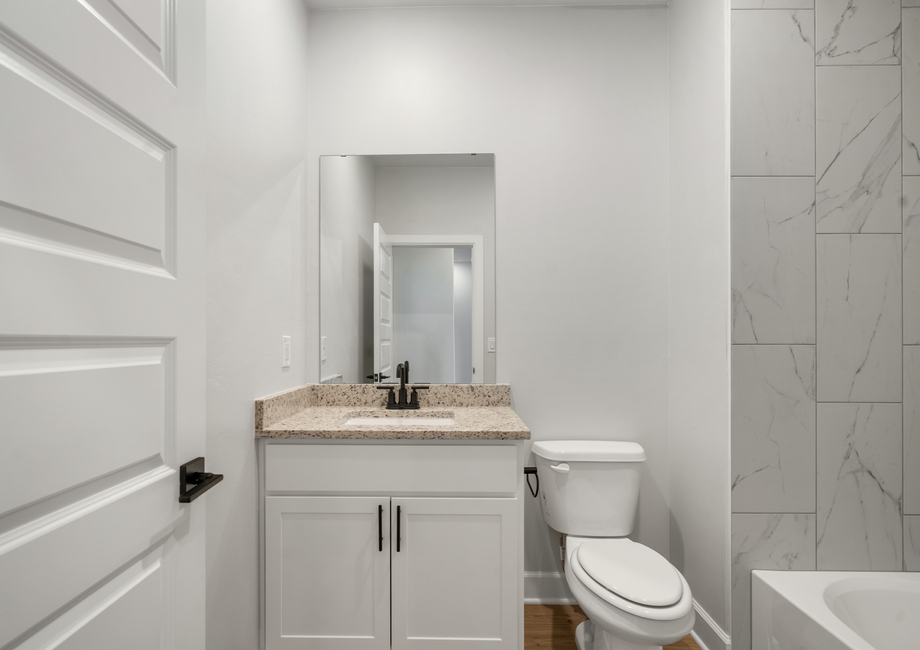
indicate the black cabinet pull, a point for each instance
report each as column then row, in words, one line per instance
column 380, row 525
column 398, row 527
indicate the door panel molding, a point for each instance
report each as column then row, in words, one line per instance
column 145, row 574
column 161, row 56
column 71, row 220
column 71, row 556
column 28, row 229
column 34, row 521
column 56, row 80
column 111, row 399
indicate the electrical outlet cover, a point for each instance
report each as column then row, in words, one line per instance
column 285, row 351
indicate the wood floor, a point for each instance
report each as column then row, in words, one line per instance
column 553, row 626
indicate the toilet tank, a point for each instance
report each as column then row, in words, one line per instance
column 589, row 487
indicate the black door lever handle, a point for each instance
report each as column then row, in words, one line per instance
column 192, row 473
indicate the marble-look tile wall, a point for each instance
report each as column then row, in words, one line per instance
column 825, row 289
column 768, row 541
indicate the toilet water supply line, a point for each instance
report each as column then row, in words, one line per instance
column 527, row 472
column 562, row 468
column 535, row 491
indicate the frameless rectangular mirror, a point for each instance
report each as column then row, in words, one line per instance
column 407, row 268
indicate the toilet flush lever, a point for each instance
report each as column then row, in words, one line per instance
column 562, row 468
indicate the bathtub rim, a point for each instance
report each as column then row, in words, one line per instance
column 810, row 599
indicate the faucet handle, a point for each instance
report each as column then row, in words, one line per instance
column 413, row 399
column 391, row 396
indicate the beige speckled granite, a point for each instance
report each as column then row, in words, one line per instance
column 479, row 412
column 279, row 406
column 436, row 395
column 466, row 395
column 471, row 423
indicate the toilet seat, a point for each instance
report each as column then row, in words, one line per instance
column 632, row 571
column 677, row 610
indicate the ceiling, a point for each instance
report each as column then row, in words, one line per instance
column 366, row 4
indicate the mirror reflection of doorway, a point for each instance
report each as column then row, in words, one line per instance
column 432, row 312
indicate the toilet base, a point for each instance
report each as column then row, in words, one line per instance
column 584, row 635
column 589, row 637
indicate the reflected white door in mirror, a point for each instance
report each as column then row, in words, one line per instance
column 430, row 294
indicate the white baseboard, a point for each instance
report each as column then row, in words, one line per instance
column 546, row 588
column 707, row 633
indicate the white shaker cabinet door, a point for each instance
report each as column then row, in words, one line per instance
column 327, row 573
column 454, row 573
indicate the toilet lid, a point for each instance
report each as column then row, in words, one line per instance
column 631, row 571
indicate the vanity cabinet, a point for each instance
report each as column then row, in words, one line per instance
column 388, row 561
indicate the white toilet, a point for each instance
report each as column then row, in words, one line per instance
column 635, row 599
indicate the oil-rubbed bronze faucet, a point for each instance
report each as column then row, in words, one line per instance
column 402, row 372
column 405, row 401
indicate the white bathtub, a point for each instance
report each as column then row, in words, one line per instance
column 835, row 610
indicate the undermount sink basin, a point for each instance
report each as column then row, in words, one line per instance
column 394, row 421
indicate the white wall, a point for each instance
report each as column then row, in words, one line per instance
column 423, row 312
column 257, row 78
column 573, row 102
column 347, row 262
column 699, row 306
column 445, row 201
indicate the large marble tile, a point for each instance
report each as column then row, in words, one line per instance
column 774, row 4
column 912, row 543
column 912, row 260
column 858, row 32
column 910, row 71
column 912, row 430
column 773, row 82
column 859, row 318
column 785, row 542
column 859, row 487
column 859, row 149
column 773, row 428
column 773, row 260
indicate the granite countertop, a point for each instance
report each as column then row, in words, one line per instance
column 470, row 422
column 320, row 411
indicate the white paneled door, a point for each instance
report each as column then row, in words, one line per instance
column 101, row 323
column 383, row 305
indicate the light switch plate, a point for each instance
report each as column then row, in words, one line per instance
column 491, row 344
column 285, row 351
